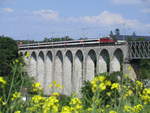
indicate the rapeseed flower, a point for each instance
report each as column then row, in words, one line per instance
column 115, row 86
column 137, row 108
column 102, row 86
column 76, row 105
column 17, row 112
column 27, row 55
column 66, row 109
column 127, row 108
column 108, row 83
column 112, row 111
column 133, row 109
column 55, row 94
column 128, row 93
column 37, row 99
column 36, row 87
column 139, row 84
column 2, row 81
column 50, row 104
column 16, row 95
column 101, row 78
column 145, row 96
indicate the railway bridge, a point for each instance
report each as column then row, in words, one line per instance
column 69, row 63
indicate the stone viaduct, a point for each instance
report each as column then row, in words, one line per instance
column 70, row 64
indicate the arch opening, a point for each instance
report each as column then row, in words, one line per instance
column 104, row 61
column 68, row 72
column 21, row 54
column 58, row 75
column 33, row 65
column 41, row 68
column 49, row 68
column 117, row 61
column 91, row 65
column 77, row 79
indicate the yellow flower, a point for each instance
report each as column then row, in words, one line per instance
column 54, row 82
column 102, row 86
column 129, row 68
column 139, row 84
column 55, row 94
column 75, row 101
column 133, row 109
column 27, row 55
column 37, row 99
column 101, row 78
column 51, row 85
column 115, row 86
column 50, row 105
column 138, row 108
column 37, row 84
column 17, row 112
column 108, row 83
column 36, row 87
column 16, row 95
column 58, row 85
column 17, row 61
column 1, row 99
column 66, row 109
column 129, row 93
column 145, row 96
column 2, row 81
column 146, row 91
column 127, row 108
column 112, row 111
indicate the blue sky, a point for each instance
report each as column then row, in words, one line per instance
column 36, row 19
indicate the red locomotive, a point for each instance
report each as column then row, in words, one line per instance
column 106, row 40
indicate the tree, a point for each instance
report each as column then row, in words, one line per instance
column 111, row 34
column 133, row 34
column 145, row 69
column 140, row 39
column 129, row 38
column 117, row 32
column 9, row 51
column 66, row 38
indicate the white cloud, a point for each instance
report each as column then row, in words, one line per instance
column 107, row 19
column 47, row 14
column 111, row 20
column 8, row 10
column 146, row 10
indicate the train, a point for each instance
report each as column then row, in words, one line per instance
column 104, row 40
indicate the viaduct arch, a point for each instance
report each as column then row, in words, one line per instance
column 70, row 66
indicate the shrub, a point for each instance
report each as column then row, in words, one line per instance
column 14, row 88
column 9, row 52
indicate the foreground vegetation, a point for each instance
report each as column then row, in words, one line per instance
column 104, row 94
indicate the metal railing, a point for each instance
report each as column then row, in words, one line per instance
column 139, row 49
